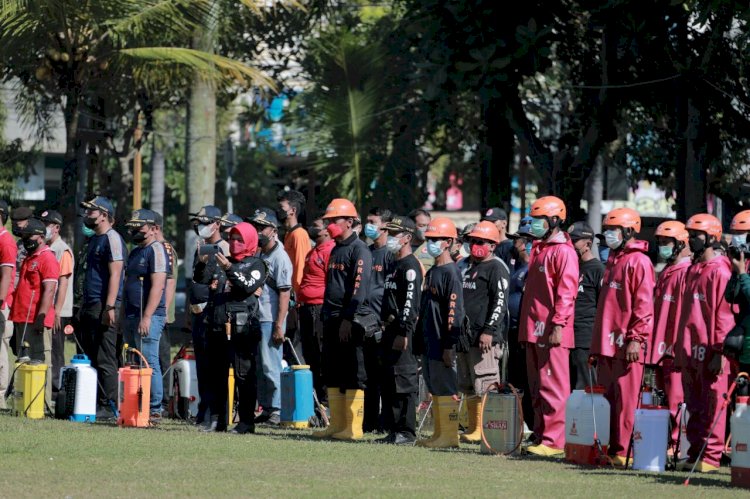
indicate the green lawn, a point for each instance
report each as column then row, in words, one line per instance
column 62, row 459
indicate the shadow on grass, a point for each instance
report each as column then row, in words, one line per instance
column 670, row 477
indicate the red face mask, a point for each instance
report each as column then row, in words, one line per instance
column 236, row 247
column 480, row 251
column 334, row 230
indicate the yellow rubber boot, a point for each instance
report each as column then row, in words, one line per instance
column 354, row 410
column 337, row 420
column 473, row 434
column 448, row 414
column 435, row 426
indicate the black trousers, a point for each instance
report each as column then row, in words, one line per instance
column 343, row 362
column 58, row 353
column 518, row 376
column 372, row 420
column 295, row 338
column 165, row 357
column 311, row 336
column 239, row 353
column 399, row 387
column 579, row 369
column 201, row 362
column 102, row 344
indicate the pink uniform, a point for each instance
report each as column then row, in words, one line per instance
column 668, row 295
column 705, row 321
column 624, row 314
column 549, row 300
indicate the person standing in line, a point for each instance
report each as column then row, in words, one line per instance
column 8, row 254
column 165, row 342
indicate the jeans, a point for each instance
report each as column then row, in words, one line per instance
column 149, row 347
column 269, row 370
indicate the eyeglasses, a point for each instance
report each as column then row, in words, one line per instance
column 478, row 242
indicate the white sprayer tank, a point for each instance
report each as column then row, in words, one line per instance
column 650, row 438
column 83, row 377
column 586, row 413
column 741, row 443
column 184, row 391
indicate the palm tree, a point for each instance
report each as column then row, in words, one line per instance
column 63, row 52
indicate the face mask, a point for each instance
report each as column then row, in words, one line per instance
column 393, row 244
column 334, row 230
column 480, row 251
column 465, row 250
column 281, row 215
column 137, row 236
column 225, row 236
column 88, row 232
column 236, row 247
column 263, row 240
column 15, row 230
column 30, row 245
column 697, row 245
column 313, row 232
column 90, row 222
column 527, row 247
column 372, row 231
column 48, row 234
column 205, row 231
column 739, row 239
column 539, row 228
column 666, row 252
column 434, row 248
column 612, row 238
column 603, row 253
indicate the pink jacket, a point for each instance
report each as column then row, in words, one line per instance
column 706, row 316
column 551, row 289
column 625, row 311
column 667, row 309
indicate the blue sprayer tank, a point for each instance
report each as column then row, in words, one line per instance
column 296, row 396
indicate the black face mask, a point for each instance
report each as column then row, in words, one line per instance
column 697, row 245
column 30, row 245
column 281, row 215
column 225, row 236
column 137, row 236
column 15, row 230
column 263, row 240
column 90, row 222
column 313, row 232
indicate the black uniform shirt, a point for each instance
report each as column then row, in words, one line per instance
column 486, row 298
column 402, row 295
column 589, row 285
column 382, row 264
column 442, row 309
column 504, row 251
column 347, row 279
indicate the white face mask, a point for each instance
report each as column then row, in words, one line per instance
column 612, row 238
column 393, row 244
column 205, row 231
column 48, row 234
column 739, row 239
column 465, row 250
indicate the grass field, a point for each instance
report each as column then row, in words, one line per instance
column 62, row 459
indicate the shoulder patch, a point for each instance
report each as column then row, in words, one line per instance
column 411, row 275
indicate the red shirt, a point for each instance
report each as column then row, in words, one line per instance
column 8, row 253
column 313, row 285
column 36, row 269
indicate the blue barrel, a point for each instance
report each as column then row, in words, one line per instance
column 296, row 396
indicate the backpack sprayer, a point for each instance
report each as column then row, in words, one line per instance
column 501, row 415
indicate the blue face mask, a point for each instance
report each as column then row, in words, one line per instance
column 528, row 248
column 739, row 239
column 603, row 253
column 372, row 231
column 434, row 248
column 539, row 228
column 666, row 252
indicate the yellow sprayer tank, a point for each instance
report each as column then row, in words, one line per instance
column 28, row 390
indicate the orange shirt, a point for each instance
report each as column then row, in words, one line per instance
column 66, row 264
column 297, row 246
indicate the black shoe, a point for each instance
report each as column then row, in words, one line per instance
column 404, row 439
column 104, row 413
column 243, row 428
column 214, row 426
column 269, row 418
column 262, row 417
column 388, row 439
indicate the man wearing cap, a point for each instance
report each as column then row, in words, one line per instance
column 421, row 219
column 33, row 311
column 102, row 293
column 64, row 295
column 19, row 217
column 503, row 250
column 226, row 222
column 165, row 342
column 206, row 224
column 8, row 254
column 144, row 306
column 485, row 289
column 399, row 313
column 347, row 282
column 310, row 299
column 274, row 306
column 591, row 271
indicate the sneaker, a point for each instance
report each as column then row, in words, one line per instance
column 262, row 417
column 213, row 426
column 269, row 418
column 104, row 413
column 242, row 428
column 155, row 417
column 388, row 439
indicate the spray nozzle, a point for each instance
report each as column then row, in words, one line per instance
column 743, row 385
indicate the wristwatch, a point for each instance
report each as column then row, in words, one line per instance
column 109, row 307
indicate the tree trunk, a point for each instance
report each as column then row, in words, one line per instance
column 201, row 137
column 74, row 169
column 158, row 167
column 497, row 155
column 691, row 179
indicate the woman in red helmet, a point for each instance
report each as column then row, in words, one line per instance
column 546, row 323
column 624, row 319
column 705, row 321
column 672, row 238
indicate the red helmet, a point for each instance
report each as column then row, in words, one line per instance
column 548, row 206
column 673, row 229
column 741, row 222
column 624, row 217
column 441, row 227
column 705, row 223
